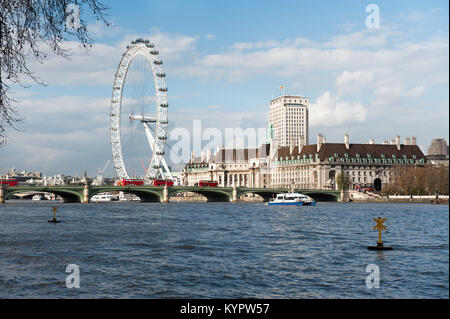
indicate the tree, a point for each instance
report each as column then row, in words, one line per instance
column 428, row 179
column 26, row 26
column 342, row 181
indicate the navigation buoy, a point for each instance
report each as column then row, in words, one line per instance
column 380, row 227
column 54, row 210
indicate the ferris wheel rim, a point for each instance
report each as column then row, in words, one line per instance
column 146, row 49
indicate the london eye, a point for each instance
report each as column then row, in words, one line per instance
column 138, row 115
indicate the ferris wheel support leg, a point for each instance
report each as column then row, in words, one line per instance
column 151, row 141
column 166, row 167
column 149, row 135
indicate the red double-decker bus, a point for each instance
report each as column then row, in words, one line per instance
column 134, row 182
column 207, row 183
column 9, row 182
column 162, row 182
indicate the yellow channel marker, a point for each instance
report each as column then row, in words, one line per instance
column 380, row 227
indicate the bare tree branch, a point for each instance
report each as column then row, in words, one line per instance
column 25, row 27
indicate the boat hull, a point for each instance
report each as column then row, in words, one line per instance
column 291, row 204
column 309, row 204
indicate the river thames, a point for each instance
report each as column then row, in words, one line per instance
column 222, row 250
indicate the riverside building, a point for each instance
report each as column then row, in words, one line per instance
column 230, row 167
column 317, row 166
column 313, row 166
column 288, row 117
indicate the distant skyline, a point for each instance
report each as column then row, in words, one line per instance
column 225, row 60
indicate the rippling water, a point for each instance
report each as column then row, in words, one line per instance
column 222, row 250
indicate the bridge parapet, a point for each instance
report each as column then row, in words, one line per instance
column 82, row 194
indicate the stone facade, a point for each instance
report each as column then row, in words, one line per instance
column 230, row 167
column 317, row 166
column 306, row 167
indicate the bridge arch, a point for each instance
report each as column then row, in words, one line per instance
column 323, row 196
column 145, row 195
column 266, row 194
column 69, row 196
column 211, row 194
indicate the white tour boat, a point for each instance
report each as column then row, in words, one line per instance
column 104, row 198
column 39, row 197
column 292, row 199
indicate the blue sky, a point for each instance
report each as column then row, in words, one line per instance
column 225, row 59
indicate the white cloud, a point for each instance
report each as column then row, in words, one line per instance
column 99, row 30
column 409, row 62
column 97, row 65
column 59, row 134
column 331, row 111
column 391, row 95
column 353, row 82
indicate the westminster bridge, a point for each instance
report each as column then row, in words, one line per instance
column 82, row 194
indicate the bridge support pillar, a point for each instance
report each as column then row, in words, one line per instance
column 344, row 198
column 85, row 194
column 2, row 194
column 165, row 198
column 234, row 197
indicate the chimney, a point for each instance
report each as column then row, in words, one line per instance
column 371, row 141
column 301, row 143
column 208, row 155
column 347, row 141
column 397, row 142
column 324, row 140
column 319, row 141
column 192, row 156
column 407, row 141
column 413, row 140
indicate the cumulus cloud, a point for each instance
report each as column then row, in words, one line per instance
column 331, row 111
column 358, row 51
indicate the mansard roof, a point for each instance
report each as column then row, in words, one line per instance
column 374, row 150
